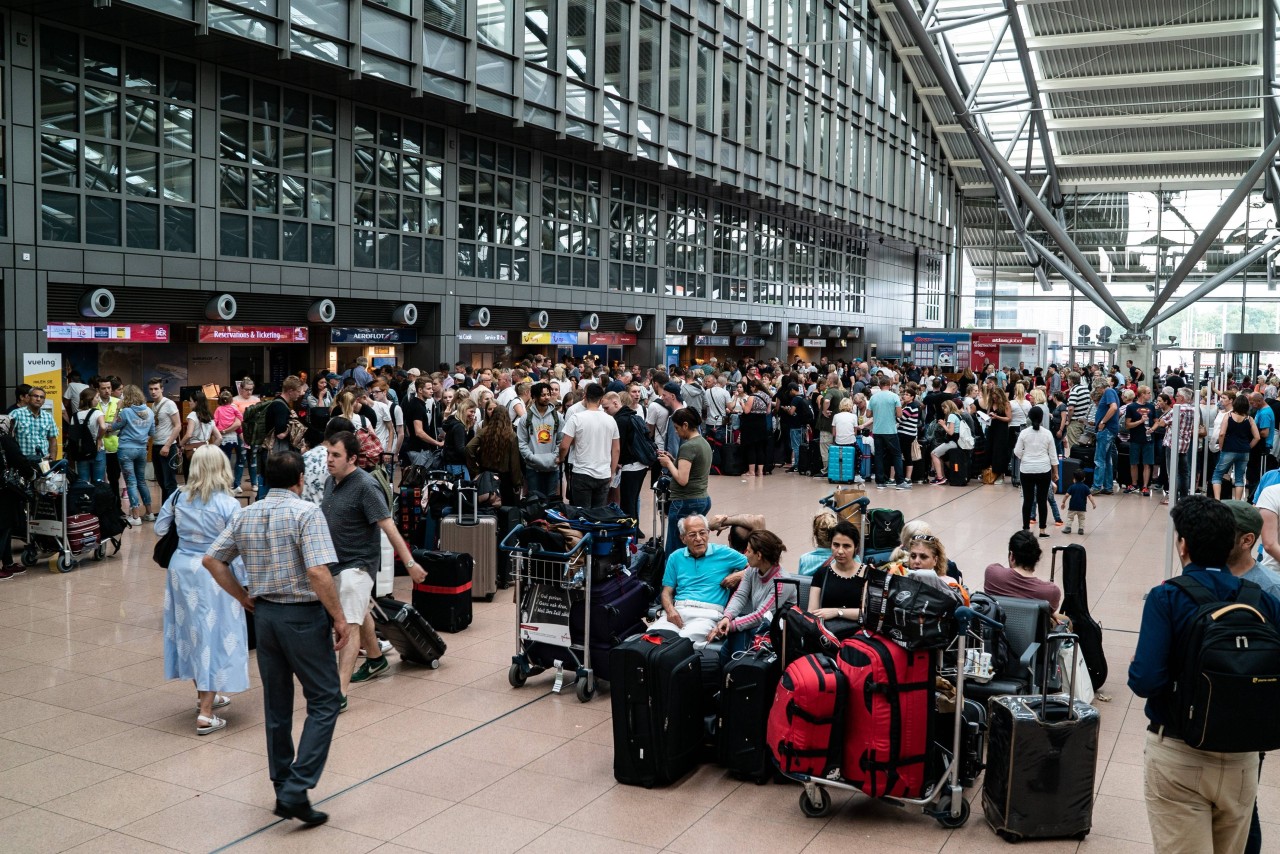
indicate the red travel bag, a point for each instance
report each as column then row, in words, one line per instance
column 806, row 725
column 82, row 531
column 886, row 730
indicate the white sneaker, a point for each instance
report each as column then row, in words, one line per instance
column 858, row 480
column 235, row 491
column 134, row 522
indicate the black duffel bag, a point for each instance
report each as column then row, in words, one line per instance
column 908, row 611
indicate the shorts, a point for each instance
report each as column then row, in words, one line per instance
column 1142, row 453
column 354, row 588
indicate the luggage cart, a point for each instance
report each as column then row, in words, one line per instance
column 547, row 587
column 943, row 799
column 47, row 534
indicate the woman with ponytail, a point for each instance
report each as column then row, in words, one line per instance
column 1039, row 467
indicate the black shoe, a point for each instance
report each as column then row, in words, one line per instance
column 303, row 812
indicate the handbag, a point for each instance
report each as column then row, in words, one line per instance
column 167, row 545
column 909, row 612
column 13, row 482
column 429, row 459
column 1073, row 672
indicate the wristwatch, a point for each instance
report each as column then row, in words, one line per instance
column 840, row 611
column 411, row 564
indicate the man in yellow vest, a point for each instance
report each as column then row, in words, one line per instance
column 109, row 406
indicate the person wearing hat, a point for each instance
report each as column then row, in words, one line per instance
column 1243, row 564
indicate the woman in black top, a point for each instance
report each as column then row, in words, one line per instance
column 456, row 438
column 12, row 507
column 835, row 594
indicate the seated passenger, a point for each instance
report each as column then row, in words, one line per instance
column 750, row 609
column 824, row 524
column 927, row 561
column 1018, row 579
column 835, row 596
column 911, row 530
column 693, row 583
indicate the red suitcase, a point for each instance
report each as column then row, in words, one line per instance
column 82, row 531
column 805, row 731
column 886, row 731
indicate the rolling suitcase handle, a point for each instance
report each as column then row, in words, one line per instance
column 1049, row 644
column 473, row 518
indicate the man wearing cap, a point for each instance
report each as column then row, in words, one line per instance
column 1241, row 563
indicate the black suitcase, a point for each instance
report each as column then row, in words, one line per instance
column 810, row 460
column 746, row 695
column 973, row 739
column 1042, row 756
column 731, row 460
column 955, row 465
column 508, row 519
column 710, row 676
column 410, row 634
column 657, row 725
column 444, row 599
column 1067, row 469
column 1123, row 472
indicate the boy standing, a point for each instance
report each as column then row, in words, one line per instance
column 1074, row 501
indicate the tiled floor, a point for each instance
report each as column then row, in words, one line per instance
column 98, row 753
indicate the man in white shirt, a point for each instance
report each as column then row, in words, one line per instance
column 165, row 430
column 717, row 400
column 72, row 394
column 591, row 446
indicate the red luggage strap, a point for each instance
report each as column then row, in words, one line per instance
column 442, row 591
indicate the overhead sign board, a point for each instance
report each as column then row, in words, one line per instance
column 711, row 341
column 748, row 341
column 614, row 339
column 135, row 333
column 676, row 340
column 815, row 342
column 372, row 335
column 253, row 335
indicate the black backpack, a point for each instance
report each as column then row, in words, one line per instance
column 1226, row 668
column 884, row 529
column 994, row 641
column 642, row 447
column 80, row 444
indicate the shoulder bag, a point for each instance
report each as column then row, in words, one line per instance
column 167, row 545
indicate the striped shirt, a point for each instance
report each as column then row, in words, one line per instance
column 1079, row 401
column 909, row 420
column 279, row 537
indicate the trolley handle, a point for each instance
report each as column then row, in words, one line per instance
column 510, row 544
column 830, row 501
column 966, row 615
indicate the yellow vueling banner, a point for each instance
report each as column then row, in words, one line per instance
column 44, row 371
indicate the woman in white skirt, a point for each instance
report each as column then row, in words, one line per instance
column 205, row 634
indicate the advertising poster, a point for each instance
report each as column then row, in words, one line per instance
column 44, row 371
column 208, row 364
column 169, row 363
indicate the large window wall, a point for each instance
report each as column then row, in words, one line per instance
column 801, row 102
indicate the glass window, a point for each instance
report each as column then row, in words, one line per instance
column 617, row 45
column 494, row 20
column 649, row 62
column 580, row 40
column 705, row 85
column 539, row 32
column 678, row 80
column 445, row 14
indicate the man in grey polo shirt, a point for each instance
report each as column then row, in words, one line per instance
column 355, row 507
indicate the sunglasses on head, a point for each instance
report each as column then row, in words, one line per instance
column 924, row 538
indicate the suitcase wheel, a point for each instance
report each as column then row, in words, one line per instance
column 946, row 819
column 30, row 556
column 818, row 805
column 517, row 675
column 585, row 689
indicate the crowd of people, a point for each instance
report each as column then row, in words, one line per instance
column 301, row 558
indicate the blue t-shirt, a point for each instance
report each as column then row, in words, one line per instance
column 698, row 579
column 884, row 410
column 1078, row 497
column 1267, row 579
column 1109, row 397
column 1266, row 420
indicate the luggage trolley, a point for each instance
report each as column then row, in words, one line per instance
column 548, row 585
column 48, row 534
column 943, row 799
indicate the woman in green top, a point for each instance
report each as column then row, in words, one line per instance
column 689, row 471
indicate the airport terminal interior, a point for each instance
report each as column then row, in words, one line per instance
column 200, row 191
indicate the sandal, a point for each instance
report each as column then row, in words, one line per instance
column 213, row 723
column 220, row 701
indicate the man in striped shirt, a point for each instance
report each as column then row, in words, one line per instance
column 908, row 427
column 1077, row 410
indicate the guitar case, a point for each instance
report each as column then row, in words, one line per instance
column 1075, row 604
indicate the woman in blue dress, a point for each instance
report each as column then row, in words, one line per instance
column 205, row 635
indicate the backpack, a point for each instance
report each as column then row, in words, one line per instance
column 642, row 447
column 370, row 454
column 1226, row 669
column 964, row 436
column 80, row 444
column 380, row 477
column 994, row 641
column 884, row 529
column 255, row 423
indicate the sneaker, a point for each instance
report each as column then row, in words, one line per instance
column 1066, row 530
column 213, row 723
column 15, row 569
column 1128, row 490
column 1107, row 492
column 857, row 479
column 342, row 704
column 236, row 491
column 150, row 517
column 1095, row 491
column 371, row 669
column 906, row 484
column 938, row 481
column 1146, row 493
column 1044, row 535
column 5, row 575
column 882, row 486
column 133, row 521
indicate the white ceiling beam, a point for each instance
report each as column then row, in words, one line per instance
column 1137, row 184
column 1138, row 120
column 1151, row 78
column 1136, row 158
column 1165, row 33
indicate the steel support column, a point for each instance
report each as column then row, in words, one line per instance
column 1037, row 112
column 1217, row 280
column 1212, row 230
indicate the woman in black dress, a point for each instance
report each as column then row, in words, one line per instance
column 751, row 421
column 835, row 594
column 998, row 433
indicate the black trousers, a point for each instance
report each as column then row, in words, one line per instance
column 297, row 640
column 629, row 486
column 113, row 473
column 1035, row 491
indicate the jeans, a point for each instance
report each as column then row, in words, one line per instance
column 296, row 640
column 166, row 477
column 542, row 482
column 797, row 442
column 1235, row 460
column 629, row 486
column 458, row 470
column 587, row 491
column 133, row 464
column 1103, row 475
column 94, row 470
column 677, row 510
column 246, row 457
column 887, row 451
